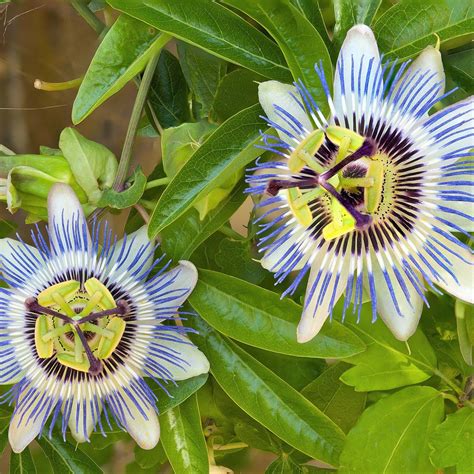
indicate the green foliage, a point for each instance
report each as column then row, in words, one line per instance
column 122, row 54
column 354, row 398
column 229, row 149
column 257, row 317
column 213, row 28
column 182, row 438
column 392, row 435
column 451, row 442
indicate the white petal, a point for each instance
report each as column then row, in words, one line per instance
column 271, row 93
column 24, row 428
column 359, row 58
column 273, row 257
column 80, row 432
column 463, row 268
column 450, row 131
column 402, row 321
column 192, row 362
column 314, row 314
column 135, row 243
column 178, row 282
column 460, row 206
column 11, row 250
column 66, row 219
column 423, row 82
column 145, row 431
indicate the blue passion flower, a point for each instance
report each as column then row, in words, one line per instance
column 82, row 323
column 370, row 202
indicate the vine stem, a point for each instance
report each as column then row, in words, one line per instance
column 135, row 117
column 155, row 183
column 88, row 16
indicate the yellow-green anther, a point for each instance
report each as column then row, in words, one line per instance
column 333, row 229
column 93, row 286
column 66, row 289
column 59, row 331
column 307, row 197
column 62, row 303
column 302, row 213
column 92, row 303
column 106, row 345
column 43, row 348
column 304, row 153
column 89, row 327
column 78, row 349
column 68, row 359
column 338, row 134
column 357, row 182
column 343, row 148
column 373, row 194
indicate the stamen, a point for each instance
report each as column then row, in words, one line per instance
column 304, row 153
column 95, row 365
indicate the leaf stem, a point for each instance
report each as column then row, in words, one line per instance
column 231, row 233
column 57, row 86
column 155, row 183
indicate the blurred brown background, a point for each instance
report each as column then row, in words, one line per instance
column 50, row 41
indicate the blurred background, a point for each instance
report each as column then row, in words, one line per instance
column 48, row 40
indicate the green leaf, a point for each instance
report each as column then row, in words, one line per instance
column 392, row 435
column 236, row 91
column 312, row 11
column 460, row 68
column 411, row 25
column 22, row 463
column 213, row 28
column 465, row 325
column 258, row 317
column 93, row 165
column 5, row 416
column 183, row 439
column 452, row 441
column 284, row 465
column 188, row 232
column 233, row 257
column 129, row 196
column 178, row 393
column 203, row 73
column 352, row 12
column 268, row 399
column 66, row 458
column 122, row 54
column 336, row 400
column 147, row 458
column 387, row 363
column 299, row 41
column 228, row 150
column 7, row 228
column 168, row 93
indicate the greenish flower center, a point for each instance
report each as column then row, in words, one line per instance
column 357, row 169
column 78, row 324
